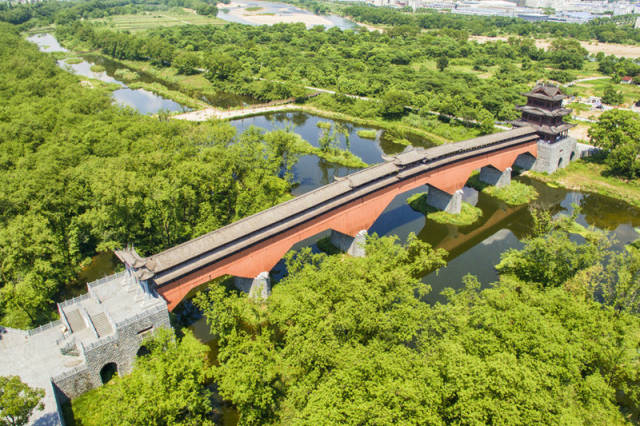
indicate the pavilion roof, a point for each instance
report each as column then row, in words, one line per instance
column 546, row 92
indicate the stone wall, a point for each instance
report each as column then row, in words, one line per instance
column 119, row 348
column 554, row 156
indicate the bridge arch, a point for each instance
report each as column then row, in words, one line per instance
column 256, row 244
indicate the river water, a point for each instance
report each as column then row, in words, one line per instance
column 141, row 100
column 272, row 12
column 473, row 249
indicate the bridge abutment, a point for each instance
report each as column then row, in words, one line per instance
column 554, row 156
column 441, row 200
column 258, row 287
column 354, row 246
column 493, row 176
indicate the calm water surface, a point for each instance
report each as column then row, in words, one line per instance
column 235, row 13
column 473, row 249
column 141, row 100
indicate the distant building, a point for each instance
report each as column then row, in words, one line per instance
column 626, row 80
column 544, row 112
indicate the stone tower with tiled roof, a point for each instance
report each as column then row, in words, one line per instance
column 545, row 113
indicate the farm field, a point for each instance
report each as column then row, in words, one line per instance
column 148, row 20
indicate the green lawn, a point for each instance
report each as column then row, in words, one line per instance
column 167, row 18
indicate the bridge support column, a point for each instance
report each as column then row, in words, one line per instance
column 353, row 246
column 493, row 176
column 450, row 203
column 258, row 287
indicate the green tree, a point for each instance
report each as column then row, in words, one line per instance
column 618, row 134
column 442, row 63
column 186, row 63
column 18, row 401
column 169, row 385
column 552, row 258
column 394, row 101
column 612, row 96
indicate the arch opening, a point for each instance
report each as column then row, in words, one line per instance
column 573, row 156
column 108, row 372
column 142, row 351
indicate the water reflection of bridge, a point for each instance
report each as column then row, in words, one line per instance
column 348, row 206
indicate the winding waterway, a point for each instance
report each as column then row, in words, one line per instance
column 473, row 249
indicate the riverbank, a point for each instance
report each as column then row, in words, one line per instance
column 589, row 175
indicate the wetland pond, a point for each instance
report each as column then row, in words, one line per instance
column 143, row 101
column 473, row 249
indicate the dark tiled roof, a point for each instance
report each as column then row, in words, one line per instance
column 558, row 112
column 191, row 255
column 547, row 92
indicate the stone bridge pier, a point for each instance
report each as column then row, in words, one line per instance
column 353, row 246
column 441, row 200
column 492, row 176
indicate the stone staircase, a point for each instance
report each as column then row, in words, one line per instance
column 101, row 324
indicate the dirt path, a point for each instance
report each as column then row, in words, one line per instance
column 593, row 47
column 230, row 114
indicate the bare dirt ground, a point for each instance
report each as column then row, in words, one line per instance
column 259, row 17
column 580, row 132
column 219, row 114
column 627, row 50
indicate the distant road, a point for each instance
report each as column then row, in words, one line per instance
column 580, row 80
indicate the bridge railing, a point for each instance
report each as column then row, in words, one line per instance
column 141, row 316
column 44, row 327
column 75, row 300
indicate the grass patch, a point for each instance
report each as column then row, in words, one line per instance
column 325, row 245
column 97, row 68
column 514, row 194
column 324, row 125
column 467, row 216
column 73, row 61
column 174, row 95
column 161, row 18
column 589, row 175
column 367, row 133
column 332, row 155
column 253, row 8
column 126, row 75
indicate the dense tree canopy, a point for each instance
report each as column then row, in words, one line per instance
column 168, row 386
column 618, row 133
column 275, row 62
column 17, row 401
column 349, row 341
column 79, row 175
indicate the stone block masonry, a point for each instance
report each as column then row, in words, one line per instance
column 103, row 328
column 554, row 156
